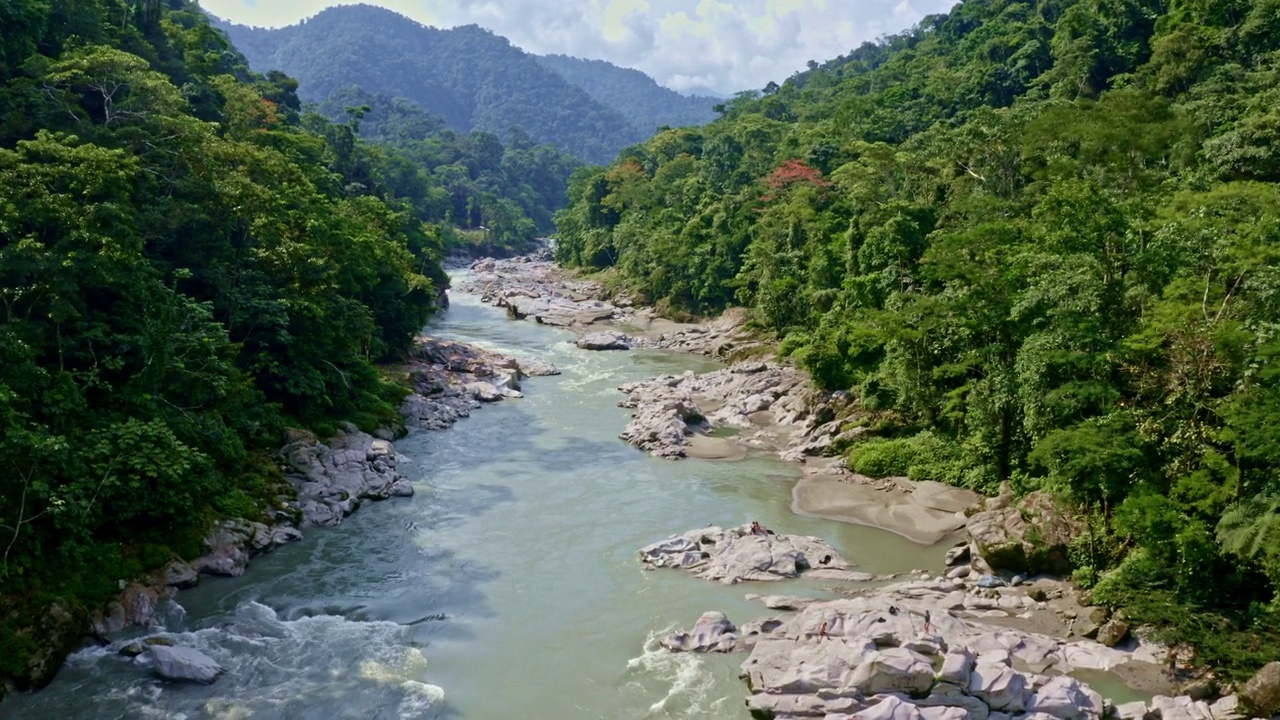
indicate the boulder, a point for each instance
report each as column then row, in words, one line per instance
column 958, row 554
column 999, row 686
column 608, row 340
column 1029, row 537
column 712, row 633
column 956, row 667
column 183, row 663
column 1261, row 695
column 893, row 670
column 535, row 367
column 54, row 634
column 1089, row 624
column 484, row 392
column 1227, row 708
column 1136, row 710
column 889, row 708
column 226, row 558
column 738, row 554
column 178, row 574
column 1068, row 699
column 1179, row 708
column 1113, row 632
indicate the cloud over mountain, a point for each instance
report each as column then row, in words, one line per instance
column 727, row 45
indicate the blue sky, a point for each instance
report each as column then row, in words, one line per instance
column 726, row 45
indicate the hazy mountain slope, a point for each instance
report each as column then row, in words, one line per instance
column 637, row 96
column 468, row 76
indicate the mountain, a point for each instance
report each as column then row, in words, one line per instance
column 637, row 96
column 1031, row 248
column 704, row 91
column 470, row 77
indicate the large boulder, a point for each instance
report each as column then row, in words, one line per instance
column 712, row 633
column 1029, row 537
column 1261, row 695
column 537, row 367
column 1000, row 686
column 893, row 670
column 738, row 554
column 180, row 575
column 52, row 636
column 183, row 663
column 608, row 340
column 1067, row 698
column 1114, row 632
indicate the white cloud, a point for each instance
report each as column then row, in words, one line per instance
column 728, row 45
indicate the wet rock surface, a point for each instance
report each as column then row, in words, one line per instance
column 183, row 663
column 712, row 633
column 739, row 554
column 451, row 379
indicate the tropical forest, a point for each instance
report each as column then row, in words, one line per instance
column 1039, row 244
column 965, row 343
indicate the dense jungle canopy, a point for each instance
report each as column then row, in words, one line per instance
column 1037, row 242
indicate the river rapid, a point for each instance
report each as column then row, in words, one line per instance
column 508, row 587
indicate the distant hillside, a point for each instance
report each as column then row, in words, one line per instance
column 473, row 79
column 637, row 96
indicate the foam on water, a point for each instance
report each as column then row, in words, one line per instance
column 275, row 668
column 684, row 678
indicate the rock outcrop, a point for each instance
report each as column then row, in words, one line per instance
column 1028, row 537
column 331, row 481
column 606, row 340
column 451, row 379
column 712, row 633
column 739, row 554
column 764, row 403
column 917, row 649
column 538, row 290
column 1261, row 695
column 183, row 663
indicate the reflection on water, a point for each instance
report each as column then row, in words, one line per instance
column 510, row 580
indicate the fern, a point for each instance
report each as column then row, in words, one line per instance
column 1251, row 530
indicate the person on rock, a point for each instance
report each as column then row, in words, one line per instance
column 928, row 622
column 758, row 529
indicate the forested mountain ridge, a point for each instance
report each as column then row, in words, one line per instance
column 463, row 181
column 1040, row 244
column 473, row 79
column 640, row 99
column 188, row 265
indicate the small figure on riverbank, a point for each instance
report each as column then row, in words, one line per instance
column 758, row 529
column 928, row 622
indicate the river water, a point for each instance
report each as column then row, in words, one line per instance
column 508, row 587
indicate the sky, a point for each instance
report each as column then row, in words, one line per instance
column 724, row 45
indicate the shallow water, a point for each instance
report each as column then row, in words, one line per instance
column 508, row 587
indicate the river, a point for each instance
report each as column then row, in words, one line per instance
column 508, row 587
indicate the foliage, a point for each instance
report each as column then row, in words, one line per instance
column 187, row 265
column 507, row 192
column 1044, row 238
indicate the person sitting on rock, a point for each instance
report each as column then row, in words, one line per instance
column 758, row 529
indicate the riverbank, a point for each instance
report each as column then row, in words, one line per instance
column 757, row 406
column 329, row 481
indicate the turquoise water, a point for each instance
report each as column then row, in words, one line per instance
column 508, row 587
